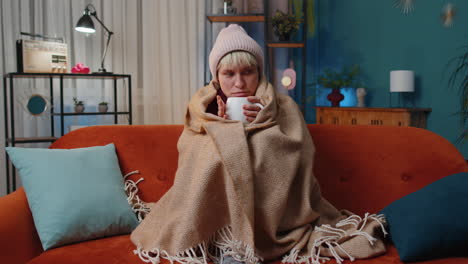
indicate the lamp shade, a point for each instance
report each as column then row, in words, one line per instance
column 401, row 81
column 85, row 24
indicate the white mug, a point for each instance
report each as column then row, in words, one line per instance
column 234, row 108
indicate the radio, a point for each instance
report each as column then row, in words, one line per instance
column 36, row 56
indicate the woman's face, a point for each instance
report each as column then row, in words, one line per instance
column 238, row 81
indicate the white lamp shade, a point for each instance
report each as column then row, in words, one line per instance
column 401, row 81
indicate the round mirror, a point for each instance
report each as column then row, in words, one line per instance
column 37, row 104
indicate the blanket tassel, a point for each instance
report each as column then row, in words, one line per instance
column 131, row 188
column 331, row 238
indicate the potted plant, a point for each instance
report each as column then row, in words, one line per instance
column 79, row 105
column 337, row 79
column 102, row 107
column 459, row 79
column 284, row 25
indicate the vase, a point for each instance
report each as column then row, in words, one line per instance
column 284, row 37
column 361, row 97
column 335, row 97
column 79, row 108
column 102, row 108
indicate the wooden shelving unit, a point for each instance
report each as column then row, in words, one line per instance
column 235, row 19
column 285, row 45
column 415, row 117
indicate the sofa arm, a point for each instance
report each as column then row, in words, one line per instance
column 19, row 241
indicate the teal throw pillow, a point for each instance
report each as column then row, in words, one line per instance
column 74, row 194
column 431, row 222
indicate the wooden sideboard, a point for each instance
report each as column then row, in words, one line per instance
column 415, row 117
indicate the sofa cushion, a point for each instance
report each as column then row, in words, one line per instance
column 119, row 249
column 431, row 222
column 110, row 250
column 74, row 194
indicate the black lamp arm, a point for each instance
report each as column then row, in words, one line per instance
column 109, row 34
column 94, row 14
column 105, row 52
column 100, row 22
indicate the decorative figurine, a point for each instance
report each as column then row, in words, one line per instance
column 448, row 13
column 361, row 97
column 407, row 6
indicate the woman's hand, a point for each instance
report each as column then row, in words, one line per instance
column 251, row 111
column 221, row 107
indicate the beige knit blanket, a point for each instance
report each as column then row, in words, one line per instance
column 248, row 191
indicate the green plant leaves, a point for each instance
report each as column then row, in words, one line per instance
column 284, row 24
column 346, row 77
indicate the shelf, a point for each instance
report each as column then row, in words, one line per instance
column 373, row 109
column 91, row 113
column 285, row 44
column 67, row 75
column 237, row 18
column 20, row 140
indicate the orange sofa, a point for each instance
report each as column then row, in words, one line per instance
column 360, row 168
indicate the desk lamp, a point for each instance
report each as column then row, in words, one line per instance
column 86, row 25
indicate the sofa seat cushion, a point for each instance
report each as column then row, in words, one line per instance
column 391, row 257
column 116, row 249
column 119, row 249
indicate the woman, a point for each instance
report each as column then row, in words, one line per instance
column 247, row 191
column 236, row 72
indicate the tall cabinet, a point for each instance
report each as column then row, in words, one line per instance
column 270, row 44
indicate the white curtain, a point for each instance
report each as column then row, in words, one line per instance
column 173, row 65
column 159, row 42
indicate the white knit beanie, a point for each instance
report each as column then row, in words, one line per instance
column 230, row 39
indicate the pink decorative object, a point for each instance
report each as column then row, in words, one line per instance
column 80, row 68
column 289, row 79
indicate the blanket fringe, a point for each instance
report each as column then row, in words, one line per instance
column 138, row 206
column 221, row 244
column 331, row 238
column 240, row 251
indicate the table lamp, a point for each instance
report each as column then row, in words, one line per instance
column 401, row 82
column 86, row 25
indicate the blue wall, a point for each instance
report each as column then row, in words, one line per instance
column 381, row 38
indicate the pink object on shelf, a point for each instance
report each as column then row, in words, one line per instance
column 80, row 68
column 289, row 79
